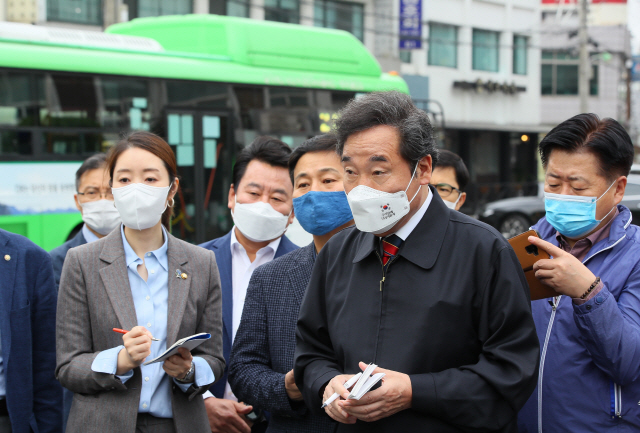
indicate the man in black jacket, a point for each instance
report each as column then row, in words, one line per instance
column 435, row 298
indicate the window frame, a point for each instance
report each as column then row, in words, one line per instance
column 516, row 47
column 281, row 11
column 134, row 8
column 322, row 4
column 554, row 62
column 405, row 56
column 99, row 21
column 475, row 46
column 430, row 61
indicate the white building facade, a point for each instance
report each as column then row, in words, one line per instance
column 481, row 62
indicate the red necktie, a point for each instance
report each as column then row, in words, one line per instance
column 390, row 246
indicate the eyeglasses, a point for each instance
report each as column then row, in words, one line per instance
column 91, row 194
column 445, row 190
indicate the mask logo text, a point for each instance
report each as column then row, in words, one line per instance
column 386, row 211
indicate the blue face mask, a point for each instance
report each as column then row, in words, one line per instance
column 572, row 215
column 320, row 212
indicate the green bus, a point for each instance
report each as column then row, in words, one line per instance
column 208, row 84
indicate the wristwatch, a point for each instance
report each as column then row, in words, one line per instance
column 256, row 415
column 188, row 378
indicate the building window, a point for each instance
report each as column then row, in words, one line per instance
column 155, row 8
column 443, row 45
column 340, row 15
column 559, row 74
column 520, row 55
column 232, row 8
column 75, row 11
column 486, row 50
column 284, row 11
column 405, row 56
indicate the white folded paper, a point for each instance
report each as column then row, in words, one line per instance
column 365, row 383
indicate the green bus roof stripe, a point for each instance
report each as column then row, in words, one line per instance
column 146, row 64
column 120, row 50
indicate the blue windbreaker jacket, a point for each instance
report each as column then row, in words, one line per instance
column 589, row 379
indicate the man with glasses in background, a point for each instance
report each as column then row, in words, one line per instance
column 450, row 177
column 95, row 202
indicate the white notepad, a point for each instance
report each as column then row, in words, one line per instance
column 365, row 383
column 189, row 343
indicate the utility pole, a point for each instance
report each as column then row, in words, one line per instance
column 584, row 70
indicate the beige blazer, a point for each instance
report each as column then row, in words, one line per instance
column 95, row 297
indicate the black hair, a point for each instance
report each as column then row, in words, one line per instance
column 265, row 149
column 393, row 109
column 447, row 158
column 319, row 143
column 606, row 138
column 99, row 160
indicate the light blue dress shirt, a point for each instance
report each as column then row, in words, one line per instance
column 151, row 300
column 88, row 234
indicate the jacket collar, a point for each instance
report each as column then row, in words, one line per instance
column 114, row 248
column 8, row 271
column 222, row 249
column 116, row 282
column 431, row 228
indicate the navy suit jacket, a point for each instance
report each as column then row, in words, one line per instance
column 222, row 249
column 265, row 343
column 28, row 300
column 60, row 253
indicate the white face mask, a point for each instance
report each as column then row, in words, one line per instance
column 377, row 211
column 259, row 222
column 100, row 216
column 451, row 204
column 141, row 206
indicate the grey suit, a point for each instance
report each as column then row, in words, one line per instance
column 265, row 343
column 95, row 297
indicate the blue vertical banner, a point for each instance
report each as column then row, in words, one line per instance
column 410, row 24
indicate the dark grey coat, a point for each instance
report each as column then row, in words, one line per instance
column 58, row 254
column 265, row 343
column 95, row 297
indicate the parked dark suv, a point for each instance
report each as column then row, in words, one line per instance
column 512, row 216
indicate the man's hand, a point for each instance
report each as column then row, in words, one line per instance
column 137, row 346
column 290, row 386
column 334, row 410
column 227, row 416
column 564, row 273
column 178, row 365
column 393, row 396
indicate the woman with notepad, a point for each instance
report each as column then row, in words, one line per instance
column 157, row 290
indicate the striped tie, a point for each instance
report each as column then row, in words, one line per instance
column 390, row 246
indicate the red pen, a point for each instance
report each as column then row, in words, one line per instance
column 122, row 331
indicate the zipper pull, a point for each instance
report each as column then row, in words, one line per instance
column 381, row 283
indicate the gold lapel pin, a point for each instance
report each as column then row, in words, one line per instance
column 7, row 257
column 183, row 276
